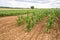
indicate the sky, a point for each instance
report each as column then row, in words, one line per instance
column 29, row 3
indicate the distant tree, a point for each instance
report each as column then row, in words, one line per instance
column 32, row 7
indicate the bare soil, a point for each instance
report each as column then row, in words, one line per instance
column 9, row 30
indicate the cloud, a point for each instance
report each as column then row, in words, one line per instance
column 28, row 3
column 57, row 2
column 35, row 1
column 4, row 3
column 21, row 4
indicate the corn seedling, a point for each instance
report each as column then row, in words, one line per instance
column 20, row 20
column 28, row 27
column 50, row 20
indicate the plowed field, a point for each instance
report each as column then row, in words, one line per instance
column 9, row 30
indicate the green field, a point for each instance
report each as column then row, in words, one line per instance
column 11, row 12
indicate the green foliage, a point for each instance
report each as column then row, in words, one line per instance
column 32, row 7
column 50, row 20
column 14, row 12
column 57, row 12
column 37, row 15
column 32, row 21
column 20, row 20
column 28, row 21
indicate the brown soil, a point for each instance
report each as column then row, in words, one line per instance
column 10, row 31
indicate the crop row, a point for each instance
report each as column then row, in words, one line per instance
column 19, row 12
column 50, row 20
column 14, row 12
column 36, row 16
column 31, row 19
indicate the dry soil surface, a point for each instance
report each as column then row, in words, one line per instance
column 9, row 30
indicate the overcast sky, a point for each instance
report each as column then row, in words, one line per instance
column 28, row 3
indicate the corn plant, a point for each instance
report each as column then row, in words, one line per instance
column 57, row 12
column 32, row 21
column 28, row 27
column 50, row 20
column 20, row 20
